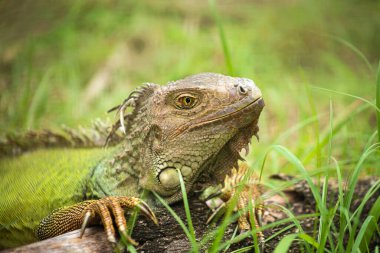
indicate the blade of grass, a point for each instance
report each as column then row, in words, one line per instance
column 318, row 146
column 353, row 48
column 268, row 226
column 375, row 213
column 371, row 139
column 331, row 230
column 340, row 247
column 357, row 170
column 131, row 248
column 361, row 234
column 295, row 128
column 355, row 217
column 351, row 190
column 284, row 244
column 38, row 99
column 232, row 237
column 245, row 249
column 277, row 189
column 295, row 221
column 212, row 234
column 331, row 215
column 349, row 95
column 252, row 211
column 353, row 110
column 310, row 240
column 291, row 216
column 279, row 232
column 193, row 241
column 378, row 101
column 176, row 217
column 124, row 243
column 331, row 133
column 133, row 218
column 298, row 164
column 222, row 37
column 324, row 219
column 373, row 190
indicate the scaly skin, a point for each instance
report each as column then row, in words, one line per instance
column 196, row 125
column 36, row 183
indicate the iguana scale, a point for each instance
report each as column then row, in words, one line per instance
column 195, row 126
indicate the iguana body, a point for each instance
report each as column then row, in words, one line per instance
column 196, row 125
column 35, row 184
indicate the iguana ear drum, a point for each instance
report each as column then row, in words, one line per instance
column 169, row 178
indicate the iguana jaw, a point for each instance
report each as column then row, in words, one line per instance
column 219, row 164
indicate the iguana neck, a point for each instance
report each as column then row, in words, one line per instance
column 119, row 173
column 113, row 176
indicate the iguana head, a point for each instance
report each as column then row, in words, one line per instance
column 194, row 125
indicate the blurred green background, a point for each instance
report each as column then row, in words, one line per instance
column 67, row 62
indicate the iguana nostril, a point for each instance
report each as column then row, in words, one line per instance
column 242, row 90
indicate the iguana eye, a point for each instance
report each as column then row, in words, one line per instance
column 186, row 101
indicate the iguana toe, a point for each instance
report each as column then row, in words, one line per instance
column 104, row 207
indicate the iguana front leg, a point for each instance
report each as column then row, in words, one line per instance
column 249, row 195
column 80, row 215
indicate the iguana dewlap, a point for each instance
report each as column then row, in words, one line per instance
column 197, row 125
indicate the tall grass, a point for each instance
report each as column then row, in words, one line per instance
column 327, row 237
column 223, row 39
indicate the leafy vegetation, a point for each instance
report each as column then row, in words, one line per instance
column 315, row 62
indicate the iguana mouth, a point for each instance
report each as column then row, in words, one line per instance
column 247, row 107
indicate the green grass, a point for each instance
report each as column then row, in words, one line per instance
column 315, row 67
column 378, row 100
column 325, row 230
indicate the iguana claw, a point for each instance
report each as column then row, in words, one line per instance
column 102, row 207
column 86, row 219
column 147, row 211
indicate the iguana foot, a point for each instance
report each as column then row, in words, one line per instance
column 249, row 202
column 81, row 214
column 102, row 208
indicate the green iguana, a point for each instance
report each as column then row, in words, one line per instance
column 196, row 126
